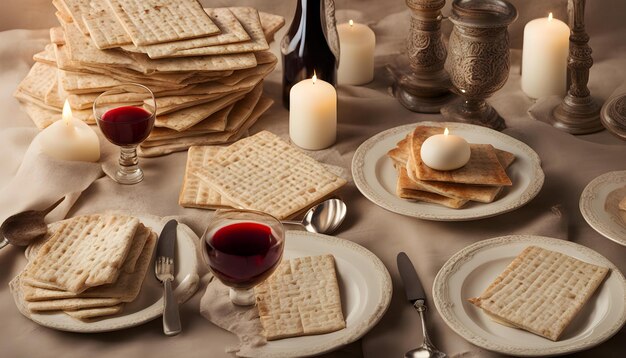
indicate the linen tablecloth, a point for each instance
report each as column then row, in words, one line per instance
column 569, row 163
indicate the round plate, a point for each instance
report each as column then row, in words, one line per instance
column 149, row 304
column 376, row 177
column 598, row 204
column 472, row 269
column 364, row 284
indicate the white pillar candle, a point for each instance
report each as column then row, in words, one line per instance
column 356, row 59
column 445, row 151
column 313, row 114
column 70, row 139
column 544, row 57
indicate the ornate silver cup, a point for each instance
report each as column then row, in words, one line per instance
column 478, row 59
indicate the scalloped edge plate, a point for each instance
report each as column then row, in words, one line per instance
column 592, row 206
column 468, row 272
column 375, row 176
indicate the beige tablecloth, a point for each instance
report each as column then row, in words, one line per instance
column 569, row 163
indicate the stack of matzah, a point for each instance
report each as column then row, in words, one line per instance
column 300, row 298
column 541, row 291
column 88, row 268
column 480, row 180
column 205, row 66
column 261, row 172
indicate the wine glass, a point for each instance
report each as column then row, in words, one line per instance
column 242, row 248
column 125, row 115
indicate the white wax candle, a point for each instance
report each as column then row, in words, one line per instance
column 70, row 139
column 313, row 114
column 356, row 59
column 445, row 151
column 544, row 57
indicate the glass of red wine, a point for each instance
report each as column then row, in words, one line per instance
column 125, row 115
column 243, row 248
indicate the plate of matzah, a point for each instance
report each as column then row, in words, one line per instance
column 603, row 205
column 527, row 295
column 364, row 289
column 95, row 273
column 509, row 163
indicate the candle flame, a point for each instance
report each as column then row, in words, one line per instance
column 351, row 23
column 446, row 132
column 314, row 77
column 67, row 113
column 550, row 17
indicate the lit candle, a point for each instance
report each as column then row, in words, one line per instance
column 313, row 114
column 356, row 59
column 445, row 151
column 70, row 139
column 544, row 57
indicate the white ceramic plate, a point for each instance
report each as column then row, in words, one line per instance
column 598, row 204
column 149, row 304
column 375, row 175
column 365, row 287
column 472, row 269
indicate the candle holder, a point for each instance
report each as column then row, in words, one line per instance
column 613, row 115
column 425, row 86
column 478, row 61
column 578, row 112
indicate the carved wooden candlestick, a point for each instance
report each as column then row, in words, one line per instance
column 425, row 87
column 578, row 113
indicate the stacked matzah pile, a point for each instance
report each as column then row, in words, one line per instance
column 261, row 172
column 541, row 291
column 88, row 268
column 480, row 180
column 300, row 298
column 205, row 66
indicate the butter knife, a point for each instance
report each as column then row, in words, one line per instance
column 164, row 270
column 416, row 295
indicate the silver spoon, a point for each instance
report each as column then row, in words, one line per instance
column 22, row 228
column 323, row 218
column 427, row 349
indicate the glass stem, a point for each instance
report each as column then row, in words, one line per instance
column 128, row 159
column 242, row 296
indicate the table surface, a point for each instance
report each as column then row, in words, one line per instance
column 569, row 163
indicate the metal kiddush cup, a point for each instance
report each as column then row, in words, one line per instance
column 478, row 59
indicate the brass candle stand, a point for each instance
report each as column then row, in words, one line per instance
column 425, row 86
column 578, row 112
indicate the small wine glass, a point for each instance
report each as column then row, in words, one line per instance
column 242, row 248
column 125, row 115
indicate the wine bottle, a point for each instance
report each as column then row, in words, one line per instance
column 311, row 45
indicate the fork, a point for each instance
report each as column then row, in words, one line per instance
column 164, row 271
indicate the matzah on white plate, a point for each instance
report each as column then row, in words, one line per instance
column 541, row 291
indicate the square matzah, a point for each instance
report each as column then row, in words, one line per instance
column 541, row 291
column 264, row 173
column 300, row 298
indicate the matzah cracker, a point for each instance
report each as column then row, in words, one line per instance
column 97, row 312
column 231, row 32
column 271, row 24
column 482, row 168
column 249, row 19
column 156, row 21
column 227, row 136
column 104, row 28
column 46, row 56
column 541, row 291
column 39, row 80
column 404, row 192
column 125, row 288
column 215, row 122
column 76, row 9
column 85, row 252
column 71, row 304
column 265, row 173
column 301, row 298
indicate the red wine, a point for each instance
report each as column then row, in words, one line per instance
column 305, row 48
column 243, row 254
column 126, row 125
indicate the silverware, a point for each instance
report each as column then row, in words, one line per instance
column 415, row 294
column 323, row 218
column 23, row 228
column 164, row 271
